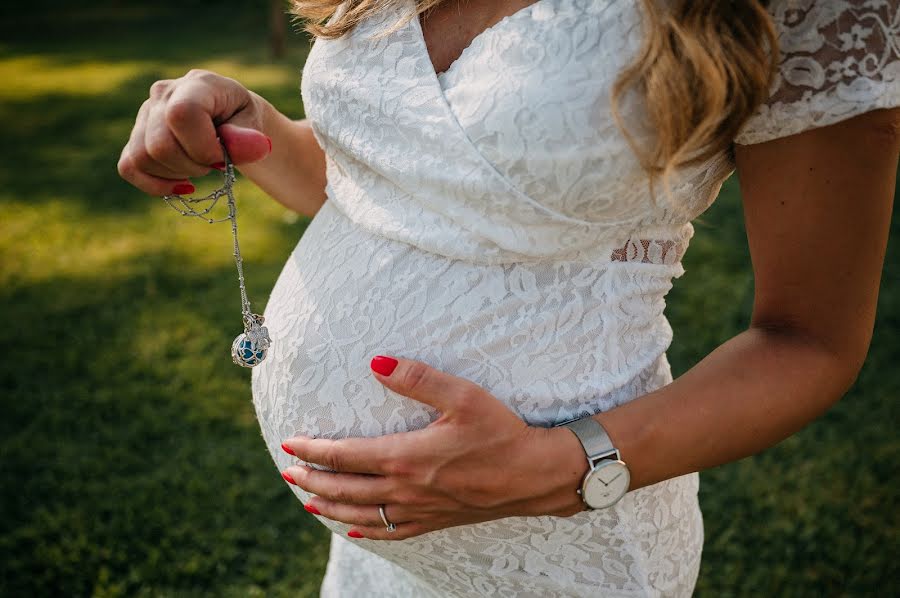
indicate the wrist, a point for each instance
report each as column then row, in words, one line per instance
column 267, row 114
column 562, row 465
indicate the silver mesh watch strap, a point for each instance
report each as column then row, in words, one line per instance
column 593, row 437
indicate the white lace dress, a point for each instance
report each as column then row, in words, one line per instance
column 492, row 222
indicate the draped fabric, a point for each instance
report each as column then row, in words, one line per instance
column 492, row 221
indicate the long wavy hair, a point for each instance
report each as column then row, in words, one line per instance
column 703, row 69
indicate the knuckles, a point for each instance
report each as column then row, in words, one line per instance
column 340, row 494
column 400, row 467
column 179, row 113
column 414, row 375
column 468, row 398
column 199, row 74
column 126, row 168
column 159, row 147
column 332, row 458
column 161, row 88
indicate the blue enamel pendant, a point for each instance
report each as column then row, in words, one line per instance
column 250, row 347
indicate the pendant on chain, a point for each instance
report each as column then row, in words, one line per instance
column 250, row 347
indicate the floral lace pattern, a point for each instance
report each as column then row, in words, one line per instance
column 541, row 338
column 492, row 221
column 839, row 58
column 649, row 251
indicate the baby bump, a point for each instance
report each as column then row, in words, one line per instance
column 551, row 341
column 546, row 344
column 336, row 304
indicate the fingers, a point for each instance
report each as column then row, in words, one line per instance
column 364, row 515
column 379, row 532
column 421, row 382
column 244, row 144
column 150, row 184
column 352, row 455
column 168, row 158
column 188, row 117
column 348, row 488
column 174, row 136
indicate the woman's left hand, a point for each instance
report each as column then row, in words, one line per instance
column 477, row 462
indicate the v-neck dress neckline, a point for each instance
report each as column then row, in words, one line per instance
column 471, row 50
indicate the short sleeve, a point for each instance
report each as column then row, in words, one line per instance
column 838, row 59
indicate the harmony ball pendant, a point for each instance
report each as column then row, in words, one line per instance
column 250, row 347
column 245, row 352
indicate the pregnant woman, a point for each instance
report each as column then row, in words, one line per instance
column 468, row 381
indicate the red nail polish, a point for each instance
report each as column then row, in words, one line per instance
column 218, row 165
column 287, row 449
column 287, row 478
column 270, row 144
column 384, row 365
column 354, row 534
column 183, row 189
column 312, row 509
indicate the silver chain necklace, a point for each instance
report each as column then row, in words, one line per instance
column 250, row 347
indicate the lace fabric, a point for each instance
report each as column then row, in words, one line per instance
column 493, row 222
column 839, row 58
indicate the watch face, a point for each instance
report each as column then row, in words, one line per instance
column 606, row 484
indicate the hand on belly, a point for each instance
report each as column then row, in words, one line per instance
column 477, row 462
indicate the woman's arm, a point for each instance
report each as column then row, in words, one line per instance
column 293, row 174
column 818, row 208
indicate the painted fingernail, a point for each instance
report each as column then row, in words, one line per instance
column 312, row 509
column 354, row 534
column 384, row 365
column 183, row 188
column 218, row 165
column 287, row 478
column 270, row 144
column 287, row 449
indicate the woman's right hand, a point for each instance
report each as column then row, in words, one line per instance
column 175, row 134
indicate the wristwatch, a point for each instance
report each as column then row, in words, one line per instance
column 608, row 478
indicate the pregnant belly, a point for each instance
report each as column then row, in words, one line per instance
column 550, row 340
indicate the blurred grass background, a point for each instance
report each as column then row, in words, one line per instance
column 130, row 456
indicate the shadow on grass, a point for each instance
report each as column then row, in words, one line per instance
column 170, row 31
column 133, row 446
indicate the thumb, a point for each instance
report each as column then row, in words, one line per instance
column 244, row 145
column 421, row 382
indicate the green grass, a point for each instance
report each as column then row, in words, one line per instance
column 131, row 459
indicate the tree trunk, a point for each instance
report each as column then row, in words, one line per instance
column 277, row 28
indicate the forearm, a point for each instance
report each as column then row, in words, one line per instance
column 750, row 393
column 293, row 174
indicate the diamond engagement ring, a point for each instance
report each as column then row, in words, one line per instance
column 390, row 526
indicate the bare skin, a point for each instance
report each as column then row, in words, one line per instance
column 817, row 208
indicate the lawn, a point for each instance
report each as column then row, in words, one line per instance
column 131, row 460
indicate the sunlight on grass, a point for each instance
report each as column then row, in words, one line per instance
column 250, row 75
column 75, row 242
column 26, row 77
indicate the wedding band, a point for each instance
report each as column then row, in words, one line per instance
column 390, row 526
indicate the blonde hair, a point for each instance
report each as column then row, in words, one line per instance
column 703, row 69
